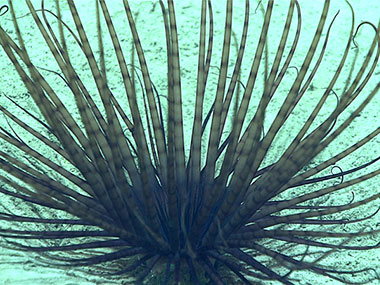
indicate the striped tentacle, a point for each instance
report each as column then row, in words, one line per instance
column 240, row 116
column 257, row 156
column 114, row 129
column 126, row 155
column 171, row 186
column 313, row 115
column 211, row 189
column 96, row 136
column 213, row 144
column 175, row 109
column 226, row 206
column 194, row 163
column 45, row 106
column 153, row 110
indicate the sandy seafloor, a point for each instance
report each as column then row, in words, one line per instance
column 18, row 269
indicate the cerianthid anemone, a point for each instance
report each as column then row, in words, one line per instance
column 110, row 181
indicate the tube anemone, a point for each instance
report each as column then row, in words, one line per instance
column 258, row 180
